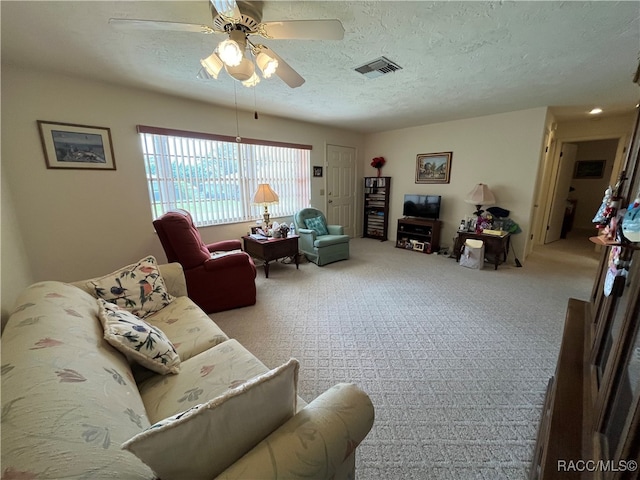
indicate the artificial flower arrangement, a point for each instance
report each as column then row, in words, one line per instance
column 378, row 162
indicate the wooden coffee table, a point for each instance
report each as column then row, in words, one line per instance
column 272, row 249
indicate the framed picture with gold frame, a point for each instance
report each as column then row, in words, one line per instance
column 433, row 167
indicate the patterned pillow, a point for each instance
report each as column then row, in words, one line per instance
column 317, row 224
column 203, row 441
column 139, row 341
column 138, row 288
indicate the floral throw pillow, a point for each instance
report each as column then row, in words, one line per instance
column 139, row 341
column 138, row 288
column 317, row 224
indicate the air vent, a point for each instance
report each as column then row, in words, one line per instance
column 376, row 68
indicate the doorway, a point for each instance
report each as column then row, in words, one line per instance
column 575, row 197
column 341, row 187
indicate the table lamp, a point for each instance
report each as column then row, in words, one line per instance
column 265, row 196
column 479, row 196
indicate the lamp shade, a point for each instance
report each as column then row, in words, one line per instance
column 212, row 64
column 231, row 50
column 267, row 64
column 265, row 195
column 243, row 71
column 480, row 195
column 252, row 81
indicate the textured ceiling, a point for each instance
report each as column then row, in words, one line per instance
column 458, row 59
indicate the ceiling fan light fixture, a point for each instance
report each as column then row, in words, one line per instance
column 230, row 53
column 267, row 64
column 231, row 50
column 252, row 81
column 212, row 64
column 242, row 72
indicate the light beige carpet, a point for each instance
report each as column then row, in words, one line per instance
column 456, row 361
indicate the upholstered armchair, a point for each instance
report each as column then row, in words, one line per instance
column 320, row 243
column 217, row 277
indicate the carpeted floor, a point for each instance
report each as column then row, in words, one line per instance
column 456, row 361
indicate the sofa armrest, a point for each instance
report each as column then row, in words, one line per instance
column 314, row 443
column 173, row 276
column 335, row 229
column 224, row 246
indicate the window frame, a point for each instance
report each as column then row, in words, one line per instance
column 247, row 153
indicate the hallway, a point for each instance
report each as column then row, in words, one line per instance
column 574, row 252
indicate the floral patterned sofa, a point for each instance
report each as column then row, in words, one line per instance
column 76, row 404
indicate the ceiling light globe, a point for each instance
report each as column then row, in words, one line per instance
column 230, row 52
column 267, row 64
column 252, row 81
column 212, row 64
column 243, row 71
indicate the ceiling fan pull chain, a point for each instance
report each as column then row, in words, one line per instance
column 235, row 101
column 255, row 105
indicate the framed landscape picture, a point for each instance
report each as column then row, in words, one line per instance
column 433, row 167
column 71, row 146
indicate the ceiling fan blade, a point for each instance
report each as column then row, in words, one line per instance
column 227, row 8
column 304, row 29
column 286, row 73
column 132, row 24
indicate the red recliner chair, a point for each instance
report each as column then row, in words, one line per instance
column 214, row 284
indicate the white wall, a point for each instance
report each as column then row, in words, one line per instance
column 79, row 223
column 502, row 151
column 16, row 271
column 598, row 129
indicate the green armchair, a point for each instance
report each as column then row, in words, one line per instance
column 320, row 243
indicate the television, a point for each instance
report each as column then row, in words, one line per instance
column 421, row 206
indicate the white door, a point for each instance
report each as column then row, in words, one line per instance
column 561, row 191
column 341, row 174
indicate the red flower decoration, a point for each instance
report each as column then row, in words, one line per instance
column 378, row 162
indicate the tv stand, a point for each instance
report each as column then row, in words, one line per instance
column 418, row 234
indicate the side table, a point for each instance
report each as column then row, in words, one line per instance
column 271, row 249
column 496, row 246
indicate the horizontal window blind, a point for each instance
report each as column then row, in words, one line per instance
column 215, row 179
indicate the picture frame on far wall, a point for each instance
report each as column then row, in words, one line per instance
column 587, row 169
column 317, row 171
column 79, row 147
column 433, row 167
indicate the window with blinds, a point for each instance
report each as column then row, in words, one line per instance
column 214, row 177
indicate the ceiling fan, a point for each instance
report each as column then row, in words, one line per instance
column 238, row 54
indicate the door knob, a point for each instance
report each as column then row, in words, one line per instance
column 330, row 201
